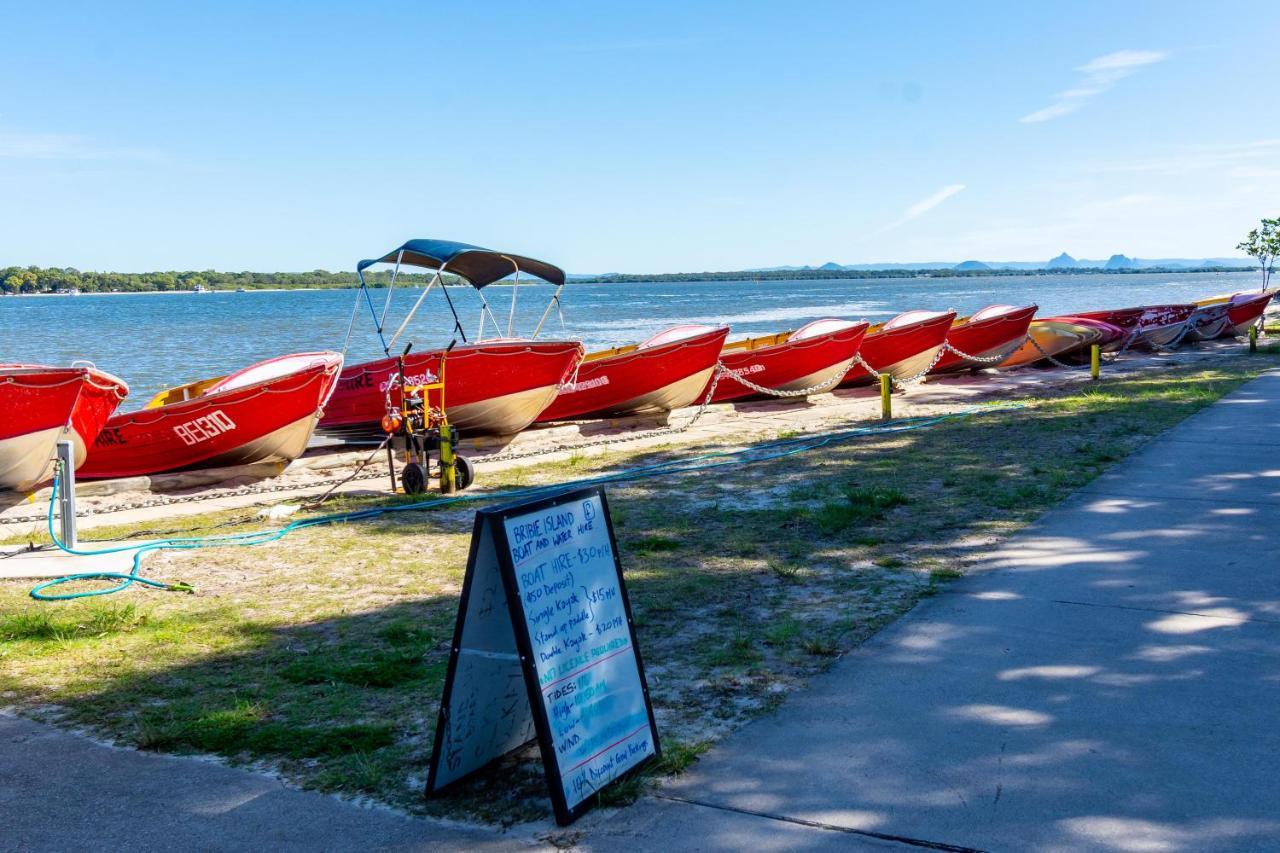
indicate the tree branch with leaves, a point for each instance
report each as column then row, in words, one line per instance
column 1263, row 244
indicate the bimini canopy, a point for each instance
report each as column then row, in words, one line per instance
column 478, row 266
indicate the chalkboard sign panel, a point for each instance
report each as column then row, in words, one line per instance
column 544, row 603
column 484, row 712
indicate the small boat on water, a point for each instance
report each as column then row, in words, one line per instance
column 1055, row 337
column 43, row 405
column 1151, row 326
column 492, row 386
column 665, row 372
column 809, row 357
column 1243, row 310
column 263, row 413
column 990, row 335
column 904, row 347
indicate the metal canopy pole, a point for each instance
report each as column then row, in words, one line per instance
column 457, row 324
column 555, row 302
column 416, row 306
column 382, row 321
column 67, row 492
column 515, row 288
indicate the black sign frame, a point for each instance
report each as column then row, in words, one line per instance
column 494, row 519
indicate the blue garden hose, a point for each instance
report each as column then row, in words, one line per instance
column 758, row 453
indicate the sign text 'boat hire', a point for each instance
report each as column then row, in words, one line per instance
column 545, row 648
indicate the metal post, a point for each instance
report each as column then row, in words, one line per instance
column 448, row 468
column 886, row 397
column 1253, row 339
column 1095, row 361
column 67, row 492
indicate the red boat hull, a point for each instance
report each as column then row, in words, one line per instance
column 1244, row 312
column 990, row 334
column 266, row 421
column 43, row 405
column 1150, row 325
column 641, row 379
column 790, row 361
column 902, row 351
column 498, row 387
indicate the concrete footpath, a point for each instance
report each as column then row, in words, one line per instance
column 1109, row 680
column 59, row 792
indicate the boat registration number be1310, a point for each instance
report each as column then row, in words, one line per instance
column 204, row 428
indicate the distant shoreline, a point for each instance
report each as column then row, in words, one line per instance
column 826, row 275
column 693, row 278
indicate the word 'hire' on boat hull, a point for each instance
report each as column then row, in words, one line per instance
column 495, row 386
column 667, row 371
column 814, row 356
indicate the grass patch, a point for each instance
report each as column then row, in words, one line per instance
column 859, row 506
column 646, row 545
column 244, row 728
column 40, row 625
column 385, row 670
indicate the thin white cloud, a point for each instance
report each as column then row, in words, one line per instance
column 1052, row 111
column 62, row 146
column 923, row 206
column 1101, row 74
column 1123, row 60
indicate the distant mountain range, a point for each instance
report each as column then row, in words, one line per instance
column 1062, row 261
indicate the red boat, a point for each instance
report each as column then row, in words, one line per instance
column 989, row 334
column 495, row 386
column 665, row 372
column 1151, row 326
column 263, row 413
column 1243, row 311
column 1059, row 338
column 1210, row 322
column 903, row 347
column 43, row 405
column 1110, row 338
column 809, row 357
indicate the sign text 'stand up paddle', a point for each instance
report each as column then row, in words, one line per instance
column 545, row 647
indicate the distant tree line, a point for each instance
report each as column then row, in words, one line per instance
column 66, row 279
column 33, row 279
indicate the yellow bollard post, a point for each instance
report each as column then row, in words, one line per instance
column 1095, row 361
column 886, row 397
column 448, row 471
column 1253, row 339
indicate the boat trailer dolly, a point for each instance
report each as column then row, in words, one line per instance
column 417, row 429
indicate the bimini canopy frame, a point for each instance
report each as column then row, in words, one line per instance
column 478, row 266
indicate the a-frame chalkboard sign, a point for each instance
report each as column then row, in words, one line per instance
column 545, row 647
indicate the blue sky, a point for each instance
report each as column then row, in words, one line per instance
column 651, row 137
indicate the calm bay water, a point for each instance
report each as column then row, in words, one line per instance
column 163, row 339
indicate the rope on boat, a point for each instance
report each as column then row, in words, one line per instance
column 991, row 359
column 768, row 451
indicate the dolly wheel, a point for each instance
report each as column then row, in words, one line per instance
column 464, row 473
column 414, row 479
